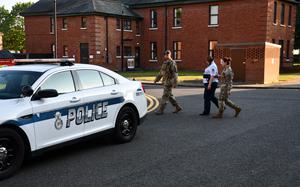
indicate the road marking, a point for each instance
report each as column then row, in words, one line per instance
column 153, row 103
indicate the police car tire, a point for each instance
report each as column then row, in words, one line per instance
column 19, row 152
column 129, row 114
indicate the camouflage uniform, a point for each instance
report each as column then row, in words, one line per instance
column 169, row 75
column 226, row 85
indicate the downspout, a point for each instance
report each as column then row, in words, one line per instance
column 106, row 41
column 166, row 27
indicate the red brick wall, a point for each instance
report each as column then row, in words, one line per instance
column 245, row 21
column 240, row 22
column 278, row 31
column 37, row 34
column 39, row 39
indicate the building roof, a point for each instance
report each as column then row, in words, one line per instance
column 80, row 7
column 102, row 7
column 149, row 3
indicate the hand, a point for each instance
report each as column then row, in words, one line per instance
column 174, row 86
column 209, row 87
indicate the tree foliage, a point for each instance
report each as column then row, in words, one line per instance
column 12, row 26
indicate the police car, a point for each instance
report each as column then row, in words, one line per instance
column 44, row 105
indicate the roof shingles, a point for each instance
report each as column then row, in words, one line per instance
column 74, row 7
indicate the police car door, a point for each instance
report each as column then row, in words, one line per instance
column 101, row 98
column 52, row 125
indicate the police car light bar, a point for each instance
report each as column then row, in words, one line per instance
column 62, row 61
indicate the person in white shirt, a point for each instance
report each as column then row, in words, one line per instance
column 210, row 81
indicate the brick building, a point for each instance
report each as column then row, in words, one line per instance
column 90, row 30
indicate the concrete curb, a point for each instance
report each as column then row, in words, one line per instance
column 283, row 87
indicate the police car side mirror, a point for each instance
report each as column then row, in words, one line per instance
column 27, row 91
column 47, row 93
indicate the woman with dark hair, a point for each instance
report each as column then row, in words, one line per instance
column 226, row 84
column 210, row 80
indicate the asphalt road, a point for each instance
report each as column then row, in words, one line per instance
column 259, row 148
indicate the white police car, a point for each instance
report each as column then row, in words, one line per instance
column 44, row 105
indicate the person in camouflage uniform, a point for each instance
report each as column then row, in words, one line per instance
column 169, row 75
column 226, row 85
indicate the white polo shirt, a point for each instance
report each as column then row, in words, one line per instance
column 211, row 70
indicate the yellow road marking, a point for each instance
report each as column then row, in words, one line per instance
column 151, row 102
column 154, row 103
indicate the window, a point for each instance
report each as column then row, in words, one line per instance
column 153, row 19
column 89, row 79
column 211, row 47
column 107, row 80
column 275, row 13
column 177, row 17
column 83, row 22
column 118, row 51
column 287, row 49
column 138, row 27
column 282, row 14
column 127, row 24
column 12, row 82
column 65, row 53
column 64, row 23
column 177, row 50
column 127, row 51
column 214, row 15
column 118, row 23
column 290, row 16
column 153, row 51
column 62, row 82
column 52, row 26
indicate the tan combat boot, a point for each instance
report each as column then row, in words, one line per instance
column 218, row 115
column 237, row 111
column 160, row 111
column 177, row 109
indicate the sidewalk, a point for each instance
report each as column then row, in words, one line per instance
column 292, row 84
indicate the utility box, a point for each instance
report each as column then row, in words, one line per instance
column 252, row 62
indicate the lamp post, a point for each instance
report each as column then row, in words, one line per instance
column 122, row 41
column 55, row 29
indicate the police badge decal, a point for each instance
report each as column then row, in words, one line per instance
column 58, row 122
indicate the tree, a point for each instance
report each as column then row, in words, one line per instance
column 12, row 26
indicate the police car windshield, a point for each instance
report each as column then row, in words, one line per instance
column 12, row 82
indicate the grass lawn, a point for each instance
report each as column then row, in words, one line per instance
column 289, row 76
column 150, row 75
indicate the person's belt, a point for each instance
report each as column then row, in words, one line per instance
column 207, row 76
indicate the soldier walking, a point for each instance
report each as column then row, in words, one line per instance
column 169, row 75
column 226, row 85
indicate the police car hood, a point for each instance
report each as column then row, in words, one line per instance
column 10, row 109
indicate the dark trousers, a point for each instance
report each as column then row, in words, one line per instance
column 209, row 96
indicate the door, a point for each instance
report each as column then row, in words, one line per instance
column 238, row 64
column 281, row 43
column 100, row 98
column 137, row 58
column 84, row 53
column 55, row 117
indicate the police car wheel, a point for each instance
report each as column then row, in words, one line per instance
column 12, row 152
column 126, row 125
